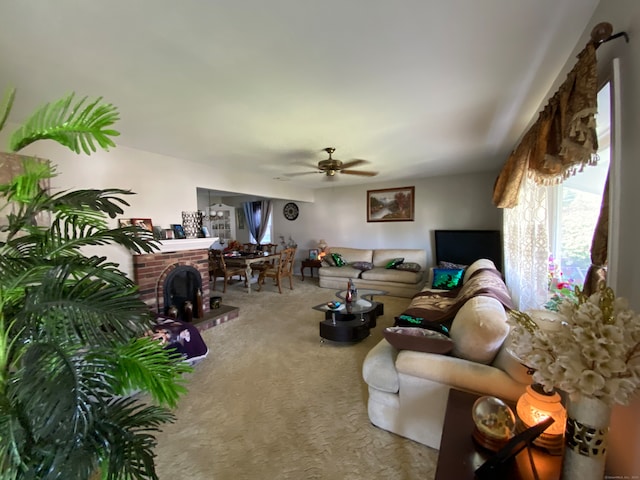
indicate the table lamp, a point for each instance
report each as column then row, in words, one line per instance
column 534, row 406
column 322, row 245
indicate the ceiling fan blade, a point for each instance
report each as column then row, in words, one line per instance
column 359, row 172
column 296, row 174
column 353, row 163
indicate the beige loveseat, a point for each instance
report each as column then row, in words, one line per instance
column 399, row 283
column 408, row 390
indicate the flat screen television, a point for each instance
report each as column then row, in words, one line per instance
column 467, row 246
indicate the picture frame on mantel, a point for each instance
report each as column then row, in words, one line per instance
column 144, row 223
column 391, row 205
column 178, row 231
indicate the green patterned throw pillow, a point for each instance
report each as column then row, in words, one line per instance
column 394, row 263
column 447, row 278
column 338, row 260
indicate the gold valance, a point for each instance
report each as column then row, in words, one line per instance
column 562, row 140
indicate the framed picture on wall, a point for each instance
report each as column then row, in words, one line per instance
column 313, row 254
column 391, row 205
column 240, row 218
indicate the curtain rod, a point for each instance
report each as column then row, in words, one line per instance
column 602, row 33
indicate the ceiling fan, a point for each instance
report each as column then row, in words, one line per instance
column 331, row 166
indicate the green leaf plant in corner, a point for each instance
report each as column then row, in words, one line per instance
column 83, row 389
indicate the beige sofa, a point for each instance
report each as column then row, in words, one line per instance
column 408, row 390
column 400, row 283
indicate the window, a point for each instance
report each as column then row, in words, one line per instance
column 576, row 207
column 267, row 235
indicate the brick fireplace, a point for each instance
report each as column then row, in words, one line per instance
column 151, row 271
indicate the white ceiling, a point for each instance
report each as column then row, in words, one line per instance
column 417, row 87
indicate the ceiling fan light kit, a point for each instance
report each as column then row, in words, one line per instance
column 331, row 166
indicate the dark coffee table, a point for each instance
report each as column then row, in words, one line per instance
column 353, row 320
column 460, row 456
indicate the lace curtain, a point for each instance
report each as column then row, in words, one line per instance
column 561, row 142
column 526, row 246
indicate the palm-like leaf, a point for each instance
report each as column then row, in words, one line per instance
column 77, row 127
column 87, row 310
column 71, row 325
column 80, row 407
column 143, row 364
column 66, row 238
column 5, row 107
column 129, row 434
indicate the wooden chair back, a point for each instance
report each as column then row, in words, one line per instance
column 249, row 247
column 218, row 268
column 283, row 268
column 285, row 263
column 267, row 263
column 272, row 248
column 217, row 264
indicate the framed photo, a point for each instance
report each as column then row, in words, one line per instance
column 178, row 231
column 240, row 218
column 124, row 222
column 143, row 223
column 205, row 232
column 313, row 254
column 158, row 233
column 169, row 234
column 391, row 205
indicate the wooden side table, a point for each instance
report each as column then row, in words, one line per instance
column 310, row 264
column 460, row 456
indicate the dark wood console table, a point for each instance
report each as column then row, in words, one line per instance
column 460, row 456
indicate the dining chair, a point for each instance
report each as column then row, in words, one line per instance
column 249, row 247
column 270, row 247
column 258, row 267
column 218, row 268
column 282, row 268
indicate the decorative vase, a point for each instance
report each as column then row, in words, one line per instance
column 586, row 434
column 191, row 224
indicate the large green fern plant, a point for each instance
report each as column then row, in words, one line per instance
column 72, row 343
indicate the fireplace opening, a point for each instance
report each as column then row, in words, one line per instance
column 182, row 285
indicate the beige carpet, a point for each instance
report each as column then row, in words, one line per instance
column 273, row 402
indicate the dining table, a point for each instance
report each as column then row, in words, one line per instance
column 246, row 260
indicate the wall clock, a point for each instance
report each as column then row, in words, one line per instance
column 291, row 211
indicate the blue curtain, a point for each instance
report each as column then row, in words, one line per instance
column 258, row 214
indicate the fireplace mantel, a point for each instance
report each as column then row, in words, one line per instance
column 186, row 244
